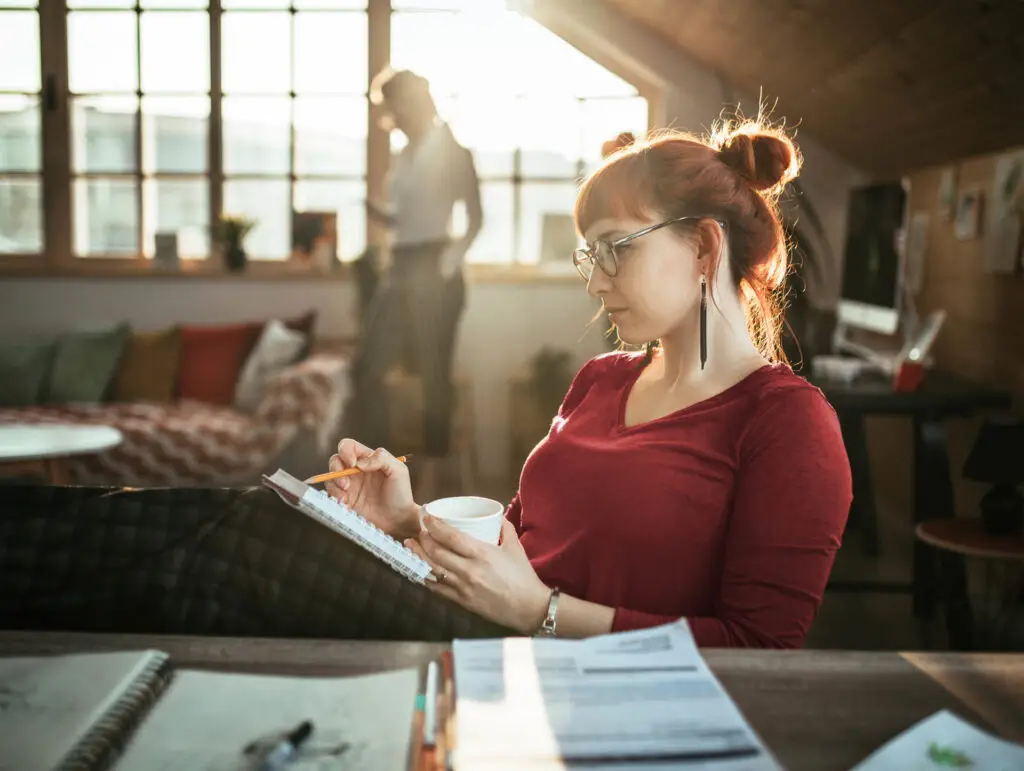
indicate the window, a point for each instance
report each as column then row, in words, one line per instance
column 21, row 200
column 156, row 117
column 534, row 110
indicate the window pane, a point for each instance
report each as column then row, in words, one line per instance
column 257, row 52
column 174, row 134
column 21, row 216
column 494, row 244
column 257, row 135
column 113, row 33
column 330, row 4
column 19, row 134
column 19, row 51
column 347, row 198
column 106, row 217
column 103, row 134
column 265, row 201
column 101, row 3
column 20, row 3
column 549, row 133
column 445, row 5
column 330, row 135
column 181, row 207
column 605, row 119
column 504, row 52
column 175, row 3
column 330, row 53
column 175, row 51
column 485, row 124
column 546, row 229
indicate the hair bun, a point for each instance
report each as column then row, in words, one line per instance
column 764, row 160
column 612, row 146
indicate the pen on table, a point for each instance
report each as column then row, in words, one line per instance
column 287, row 748
column 345, row 472
column 430, row 707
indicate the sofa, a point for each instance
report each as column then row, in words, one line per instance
column 198, row 406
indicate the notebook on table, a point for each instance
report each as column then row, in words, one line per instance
column 130, row 711
column 317, row 504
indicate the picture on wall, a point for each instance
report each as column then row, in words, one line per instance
column 967, row 224
column 947, row 194
column 1004, row 239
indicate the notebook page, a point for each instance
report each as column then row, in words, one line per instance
column 335, row 515
column 49, row 703
column 206, row 721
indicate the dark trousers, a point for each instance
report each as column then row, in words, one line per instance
column 412, row 320
column 196, row 561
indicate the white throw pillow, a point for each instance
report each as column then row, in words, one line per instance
column 277, row 347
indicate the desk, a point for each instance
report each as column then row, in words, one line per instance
column 819, row 710
column 941, row 396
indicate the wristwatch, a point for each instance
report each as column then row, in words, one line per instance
column 547, row 628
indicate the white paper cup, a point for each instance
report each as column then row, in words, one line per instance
column 478, row 517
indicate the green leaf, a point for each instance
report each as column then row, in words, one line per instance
column 948, row 757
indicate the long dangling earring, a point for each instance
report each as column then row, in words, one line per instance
column 703, row 321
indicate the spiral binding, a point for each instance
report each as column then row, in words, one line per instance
column 344, row 520
column 108, row 736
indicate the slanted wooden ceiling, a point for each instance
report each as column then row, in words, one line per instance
column 891, row 85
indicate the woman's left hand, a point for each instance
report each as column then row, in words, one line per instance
column 496, row 582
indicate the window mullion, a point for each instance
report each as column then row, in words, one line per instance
column 215, row 144
column 56, row 129
column 378, row 142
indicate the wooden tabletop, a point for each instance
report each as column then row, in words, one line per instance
column 815, row 709
column 967, row 535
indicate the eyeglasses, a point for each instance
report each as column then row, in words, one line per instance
column 602, row 252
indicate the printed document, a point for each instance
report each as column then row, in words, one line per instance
column 643, row 699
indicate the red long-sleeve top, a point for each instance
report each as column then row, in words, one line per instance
column 728, row 512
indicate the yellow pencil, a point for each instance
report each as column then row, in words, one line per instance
column 345, row 472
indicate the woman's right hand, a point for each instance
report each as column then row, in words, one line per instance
column 381, row 493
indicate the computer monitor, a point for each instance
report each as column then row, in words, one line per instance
column 872, row 271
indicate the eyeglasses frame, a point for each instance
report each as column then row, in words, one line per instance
column 587, row 254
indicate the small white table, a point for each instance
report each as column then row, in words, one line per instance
column 46, row 448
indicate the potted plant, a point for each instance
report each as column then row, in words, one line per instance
column 232, row 232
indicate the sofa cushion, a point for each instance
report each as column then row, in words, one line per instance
column 84, row 365
column 277, row 348
column 24, row 369
column 211, row 360
column 149, row 367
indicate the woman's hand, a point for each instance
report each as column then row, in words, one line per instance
column 381, row 493
column 496, row 582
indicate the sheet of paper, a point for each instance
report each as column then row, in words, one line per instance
column 943, row 742
column 641, row 696
column 213, row 721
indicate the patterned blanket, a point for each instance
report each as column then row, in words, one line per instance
column 189, row 443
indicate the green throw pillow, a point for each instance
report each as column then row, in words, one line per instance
column 85, row 364
column 24, row 368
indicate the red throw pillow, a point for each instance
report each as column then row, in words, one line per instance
column 211, row 360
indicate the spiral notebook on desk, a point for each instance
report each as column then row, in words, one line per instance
column 327, row 511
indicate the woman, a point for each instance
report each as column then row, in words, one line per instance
column 701, row 479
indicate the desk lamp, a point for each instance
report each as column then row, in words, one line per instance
column 997, row 458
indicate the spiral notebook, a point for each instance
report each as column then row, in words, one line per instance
column 327, row 511
column 74, row 713
column 132, row 711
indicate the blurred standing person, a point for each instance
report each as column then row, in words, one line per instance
column 420, row 299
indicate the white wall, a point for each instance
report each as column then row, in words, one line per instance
column 504, row 324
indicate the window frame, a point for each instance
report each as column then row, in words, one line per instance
column 57, row 175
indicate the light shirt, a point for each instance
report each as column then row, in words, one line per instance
column 424, row 184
